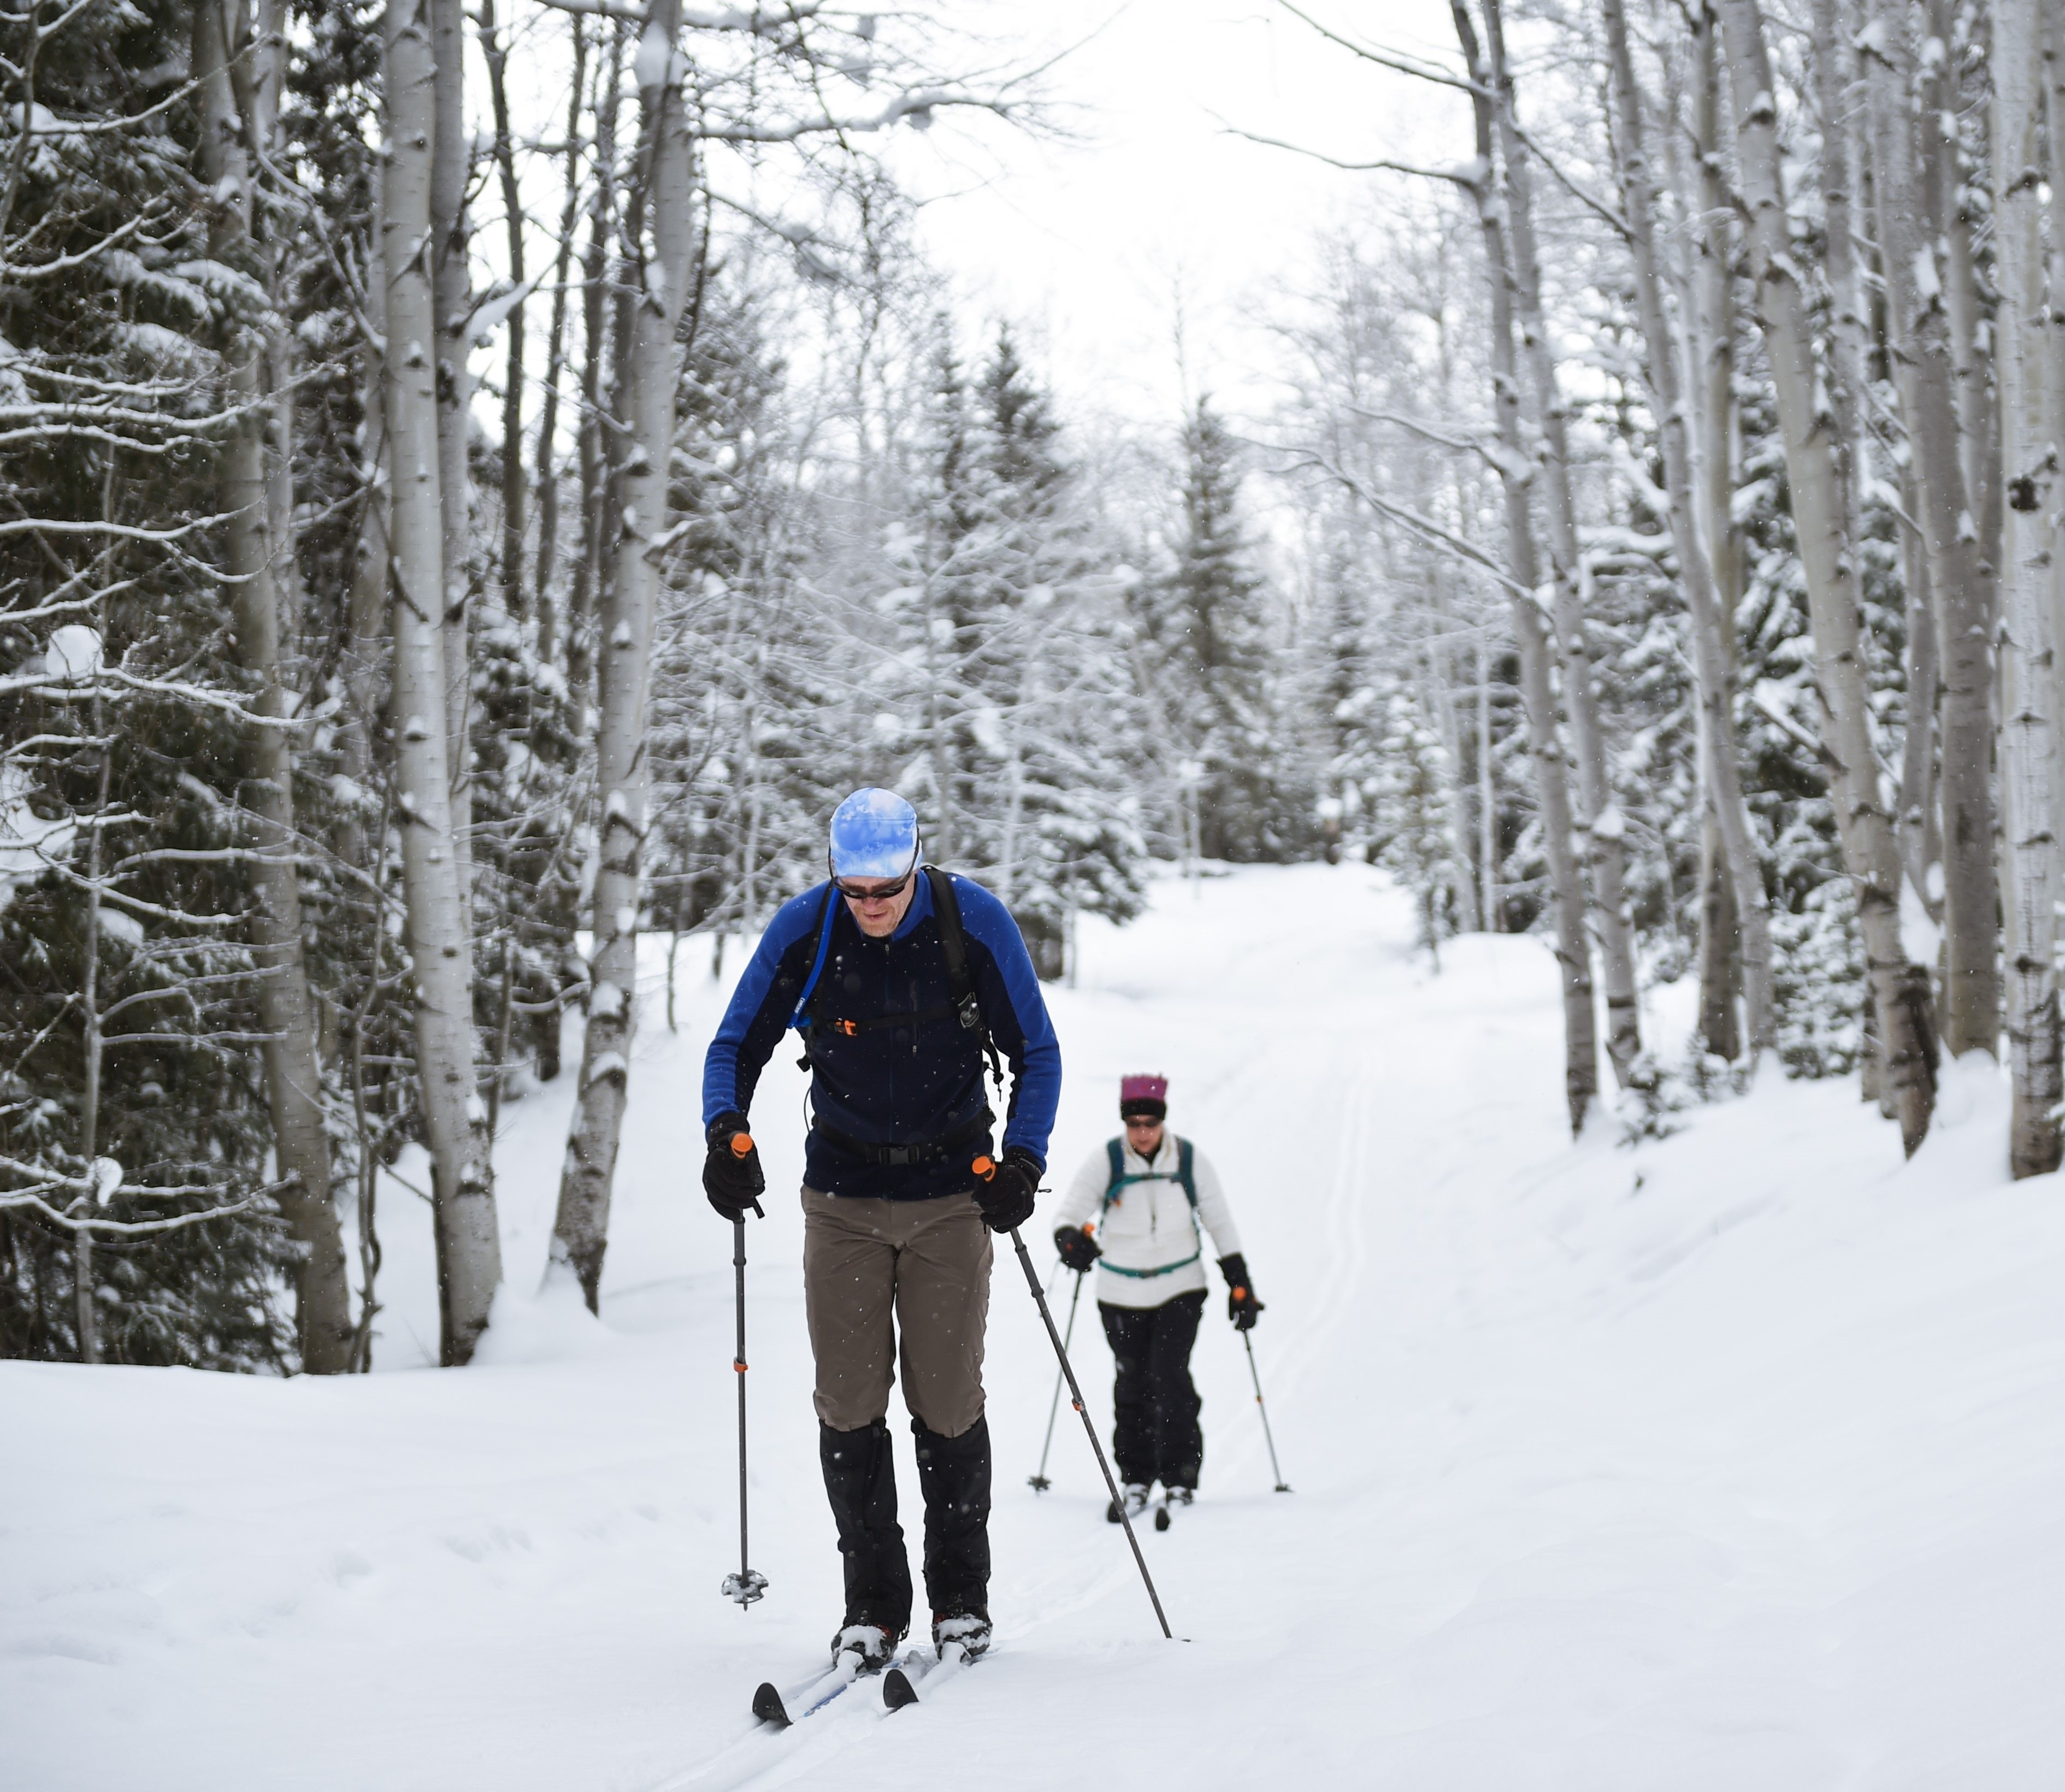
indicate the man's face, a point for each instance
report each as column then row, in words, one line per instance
column 1143, row 1134
column 878, row 904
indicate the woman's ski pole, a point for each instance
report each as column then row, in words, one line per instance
column 1247, row 1339
column 1039, row 1483
column 749, row 1583
column 1076, row 1398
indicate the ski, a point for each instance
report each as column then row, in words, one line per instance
column 772, row 1706
column 900, row 1684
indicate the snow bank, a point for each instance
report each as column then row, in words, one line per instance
column 1732, row 1461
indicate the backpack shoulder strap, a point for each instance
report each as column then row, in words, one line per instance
column 799, row 1016
column 960, row 981
column 1114, row 1150
column 1184, row 1174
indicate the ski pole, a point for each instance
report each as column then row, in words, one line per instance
column 1039, row 1483
column 1076, row 1399
column 749, row 1583
column 1247, row 1339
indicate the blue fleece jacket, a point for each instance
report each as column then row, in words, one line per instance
column 892, row 1085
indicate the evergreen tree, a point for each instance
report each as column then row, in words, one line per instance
column 1208, row 619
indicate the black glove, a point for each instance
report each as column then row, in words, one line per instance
column 1079, row 1251
column 732, row 1180
column 1242, row 1308
column 1005, row 1194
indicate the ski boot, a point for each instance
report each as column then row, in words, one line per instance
column 967, row 1631
column 1136, row 1498
column 1172, row 1498
column 867, row 1647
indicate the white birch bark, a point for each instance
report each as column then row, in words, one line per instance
column 451, row 235
column 1712, row 387
column 2053, row 27
column 1696, row 569
column 1441, row 682
column 469, row 1244
column 1487, row 807
column 494, row 51
column 659, row 234
column 293, row 1081
column 1566, row 885
column 1962, row 583
column 1601, row 835
column 2029, row 620
column 359, row 667
column 1950, row 225
column 1821, row 523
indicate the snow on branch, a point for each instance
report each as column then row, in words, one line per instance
column 917, row 105
column 756, row 23
column 1469, row 176
column 122, row 1228
column 1425, row 526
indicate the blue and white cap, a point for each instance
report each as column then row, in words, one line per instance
column 875, row 834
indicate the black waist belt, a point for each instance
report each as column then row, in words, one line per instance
column 923, row 1151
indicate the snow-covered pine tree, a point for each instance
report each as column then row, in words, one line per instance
column 1206, row 617
column 1413, row 824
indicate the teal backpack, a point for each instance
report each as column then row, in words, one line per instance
column 1115, row 1150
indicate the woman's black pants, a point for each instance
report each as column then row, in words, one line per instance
column 1156, row 1436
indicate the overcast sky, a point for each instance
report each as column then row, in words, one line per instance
column 1093, row 243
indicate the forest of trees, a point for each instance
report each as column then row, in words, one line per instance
column 437, row 552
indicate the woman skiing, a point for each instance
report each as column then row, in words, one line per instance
column 1133, row 1210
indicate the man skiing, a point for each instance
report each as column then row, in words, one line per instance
column 899, row 978
column 1133, row 1210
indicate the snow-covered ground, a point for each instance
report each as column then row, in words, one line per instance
column 1736, row 1461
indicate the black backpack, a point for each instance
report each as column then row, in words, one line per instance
column 965, row 1005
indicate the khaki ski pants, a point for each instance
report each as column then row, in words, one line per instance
column 925, row 1263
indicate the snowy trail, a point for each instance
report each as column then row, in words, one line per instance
column 1733, row 1461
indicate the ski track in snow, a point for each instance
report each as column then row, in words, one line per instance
column 1731, row 1461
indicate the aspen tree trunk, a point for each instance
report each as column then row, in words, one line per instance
column 257, row 70
column 2053, row 27
column 1713, row 386
column 366, row 609
column 1950, row 225
column 1920, row 829
column 1710, row 652
column 1961, row 582
column 469, row 1243
column 595, row 322
column 86, row 1311
column 548, row 415
column 496, row 54
column 1567, row 886
column 1836, row 98
column 2030, row 620
column 294, row 1079
column 1440, row 677
column 451, row 235
column 659, row 237
column 1487, row 810
column 1871, row 847
column 1601, row 831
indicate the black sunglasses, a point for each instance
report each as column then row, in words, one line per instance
column 875, row 892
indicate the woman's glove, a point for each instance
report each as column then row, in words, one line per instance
column 1242, row 1307
column 732, row 1176
column 1079, row 1251
column 1005, row 1191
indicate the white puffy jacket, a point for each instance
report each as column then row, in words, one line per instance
column 1149, row 1229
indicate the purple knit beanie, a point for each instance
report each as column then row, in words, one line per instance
column 1145, row 1096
